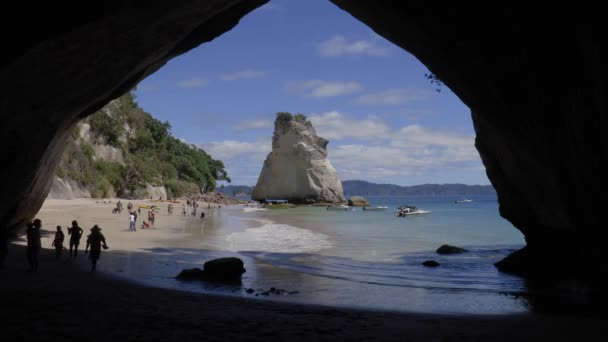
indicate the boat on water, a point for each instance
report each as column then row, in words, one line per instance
column 339, row 207
column 375, row 208
column 277, row 204
column 407, row 210
column 463, row 200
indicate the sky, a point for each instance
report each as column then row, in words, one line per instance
column 385, row 121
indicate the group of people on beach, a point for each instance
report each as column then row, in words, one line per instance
column 145, row 224
column 95, row 241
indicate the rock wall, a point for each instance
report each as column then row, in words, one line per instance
column 297, row 169
column 156, row 192
column 68, row 189
column 70, row 62
column 535, row 82
column 533, row 78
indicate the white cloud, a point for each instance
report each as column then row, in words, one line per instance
column 410, row 151
column 338, row 46
column 403, row 155
column 232, row 149
column 253, row 124
column 243, row 74
column 419, row 136
column 335, row 125
column 192, row 83
column 383, row 162
column 394, row 96
column 321, row 88
column 243, row 160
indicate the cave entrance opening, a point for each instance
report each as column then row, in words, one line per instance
column 388, row 119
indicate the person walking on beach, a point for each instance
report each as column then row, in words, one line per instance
column 75, row 233
column 58, row 242
column 33, row 244
column 95, row 240
column 132, row 221
column 202, row 215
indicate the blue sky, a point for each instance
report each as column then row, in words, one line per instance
column 385, row 121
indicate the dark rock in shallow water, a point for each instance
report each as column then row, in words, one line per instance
column 223, row 269
column 250, row 290
column 448, row 249
column 358, row 201
column 430, row 263
column 191, row 274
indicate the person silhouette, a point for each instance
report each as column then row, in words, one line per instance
column 76, row 233
column 58, row 242
column 95, row 240
column 3, row 245
column 33, row 244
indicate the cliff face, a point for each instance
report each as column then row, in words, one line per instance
column 75, row 174
column 534, row 80
column 73, row 60
column 297, row 169
column 123, row 151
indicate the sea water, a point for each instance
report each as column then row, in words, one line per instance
column 363, row 259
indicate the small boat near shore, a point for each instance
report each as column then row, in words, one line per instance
column 339, row 207
column 375, row 208
column 407, row 210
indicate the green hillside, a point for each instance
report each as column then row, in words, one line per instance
column 137, row 150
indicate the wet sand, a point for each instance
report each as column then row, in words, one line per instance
column 63, row 300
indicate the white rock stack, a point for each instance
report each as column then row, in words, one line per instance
column 297, row 169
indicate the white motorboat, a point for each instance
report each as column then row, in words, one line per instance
column 407, row 210
column 375, row 208
column 463, row 200
column 339, row 207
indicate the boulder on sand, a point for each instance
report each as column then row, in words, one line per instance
column 223, row 269
column 448, row 249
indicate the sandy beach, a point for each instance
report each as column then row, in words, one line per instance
column 63, row 300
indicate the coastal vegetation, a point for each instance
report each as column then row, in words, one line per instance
column 121, row 149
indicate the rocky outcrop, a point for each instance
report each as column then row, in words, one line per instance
column 74, row 60
column 535, row 84
column 539, row 116
column 449, row 249
column 156, row 192
column 68, row 189
column 358, row 201
column 219, row 198
column 297, row 169
column 223, row 269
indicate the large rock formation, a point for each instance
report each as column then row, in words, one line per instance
column 297, row 169
column 535, row 80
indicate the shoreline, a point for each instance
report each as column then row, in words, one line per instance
column 64, row 299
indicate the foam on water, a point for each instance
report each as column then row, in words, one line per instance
column 277, row 238
column 252, row 209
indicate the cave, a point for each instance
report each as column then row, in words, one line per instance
column 533, row 80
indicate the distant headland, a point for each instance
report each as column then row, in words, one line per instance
column 364, row 188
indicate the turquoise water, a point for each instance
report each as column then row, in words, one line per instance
column 367, row 259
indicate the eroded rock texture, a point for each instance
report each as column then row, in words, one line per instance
column 534, row 80
column 66, row 61
column 297, row 168
column 535, row 83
